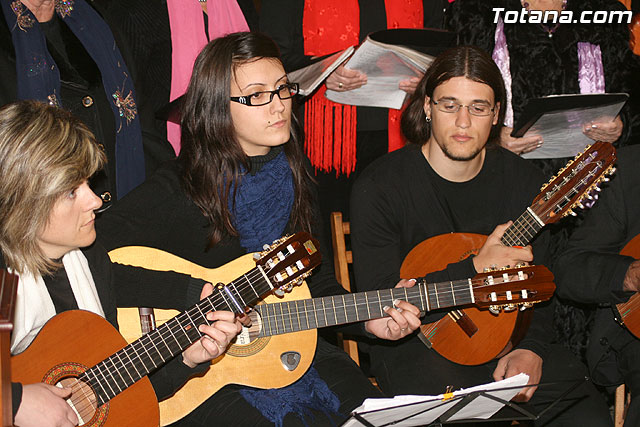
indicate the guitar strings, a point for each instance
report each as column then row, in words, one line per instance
column 383, row 299
column 213, row 300
column 576, row 189
column 82, row 401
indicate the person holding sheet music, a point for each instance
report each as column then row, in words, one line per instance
column 592, row 270
column 555, row 58
column 550, row 59
column 341, row 140
column 47, row 237
column 454, row 177
column 241, row 180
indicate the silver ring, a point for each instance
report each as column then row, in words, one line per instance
column 340, row 85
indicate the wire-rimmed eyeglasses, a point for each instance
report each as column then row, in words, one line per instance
column 285, row 91
column 475, row 109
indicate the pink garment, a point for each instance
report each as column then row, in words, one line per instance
column 188, row 38
column 501, row 58
column 590, row 69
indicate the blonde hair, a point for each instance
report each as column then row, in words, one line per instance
column 45, row 152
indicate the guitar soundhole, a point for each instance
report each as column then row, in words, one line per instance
column 83, row 399
column 248, row 342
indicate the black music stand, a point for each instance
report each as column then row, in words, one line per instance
column 413, row 414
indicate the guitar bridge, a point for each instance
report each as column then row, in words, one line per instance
column 464, row 321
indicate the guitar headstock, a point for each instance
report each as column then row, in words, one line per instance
column 509, row 288
column 289, row 260
column 575, row 185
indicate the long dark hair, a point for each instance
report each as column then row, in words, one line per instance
column 462, row 61
column 211, row 156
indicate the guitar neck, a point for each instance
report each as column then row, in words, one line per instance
column 523, row 229
column 312, row 313
column 119, row 371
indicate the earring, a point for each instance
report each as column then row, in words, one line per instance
column 427, row 118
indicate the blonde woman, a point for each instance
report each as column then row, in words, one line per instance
column 46, row 237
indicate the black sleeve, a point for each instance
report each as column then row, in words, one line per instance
column 540, row 333
column 590, row 269
column 282, row 21
column 139, row 287
column 167, row 380
column 16, row 398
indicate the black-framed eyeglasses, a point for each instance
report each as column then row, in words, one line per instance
column 257, row 99
column 476, row 109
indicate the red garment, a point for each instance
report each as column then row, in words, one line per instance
column 329, row 26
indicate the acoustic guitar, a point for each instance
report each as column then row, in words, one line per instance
column 472, row 336
column 280, row 344
column 82, row 351
column 626, row 313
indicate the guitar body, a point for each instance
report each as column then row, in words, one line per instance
column 65, row 347
column 627, row 310
column 495, row 336
column 255, row 362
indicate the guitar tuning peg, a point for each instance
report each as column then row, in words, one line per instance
column 510, row 307
column 589, row 196
column 598, row 189
column 580, row 205
column 266, row 247
column 526, row 305
column 257, row 256
column 611, row 170
column 494, row 309
column 279, row 292
column 572, row 213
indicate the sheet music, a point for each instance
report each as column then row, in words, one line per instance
column 385, row 69
column 562, row 131
column 310, row 77
column 411, row 410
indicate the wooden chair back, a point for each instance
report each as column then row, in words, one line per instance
column 341, row 260
column 8, row 290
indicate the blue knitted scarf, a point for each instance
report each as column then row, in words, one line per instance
column 262, row 207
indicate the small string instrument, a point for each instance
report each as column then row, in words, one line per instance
column 627, row 312
column 472, row 336
column 280, row 345
column 82, row 351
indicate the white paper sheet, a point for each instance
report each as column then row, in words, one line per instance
column 429, row 408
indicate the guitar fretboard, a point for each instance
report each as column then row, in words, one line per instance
column 119, row 371
column 523, row 230
column 293, row 316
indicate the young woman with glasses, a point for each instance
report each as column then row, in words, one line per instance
column 241, row 181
